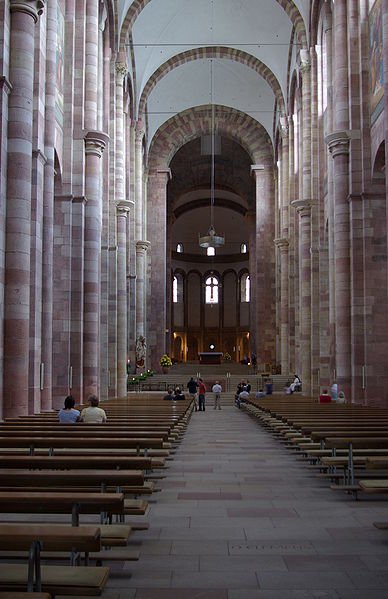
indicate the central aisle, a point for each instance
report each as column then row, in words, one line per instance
column 239, row 517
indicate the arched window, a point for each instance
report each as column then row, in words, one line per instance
column 179, row 248
column 175, row 290
column 243, row 248
column 211, row 290
column 245, row 288
column 211, row 251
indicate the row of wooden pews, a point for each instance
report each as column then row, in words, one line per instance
column 348, row 444
column 78, row 470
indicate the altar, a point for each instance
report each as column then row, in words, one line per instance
column 210, row 357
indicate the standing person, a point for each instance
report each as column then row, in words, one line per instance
column 192, row 387
column 93, row 413
column 201, row 395
column 217, row 389
column 334, row 391
column 68, row 415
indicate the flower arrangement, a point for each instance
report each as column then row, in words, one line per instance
column 227, row 357
column 165, row 361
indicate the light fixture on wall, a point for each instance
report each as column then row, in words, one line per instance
column 211, row 239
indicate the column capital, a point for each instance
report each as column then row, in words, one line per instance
column 34, row 8
column 284, row 126
column 5, row 84
column 121, row 71
column 304, row 61
column 139, row 130
column 79, row 200
column 303, row 207
column 256, row 169
column 338, row 143
column 282, row 243
column 95, row 142
column 122, row 210
column 166, row 172
column 142, row 246
column 129, row 204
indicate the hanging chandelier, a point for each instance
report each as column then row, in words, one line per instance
column 211, row 239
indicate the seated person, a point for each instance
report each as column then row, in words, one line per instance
column 68, row 415
column 324, row 397
column 243, row 397
column 178, row 394
column 240, row 387
column 170, row 395
column 296, row 385
column 93, row 414
column 260, row 393
column 341, row 397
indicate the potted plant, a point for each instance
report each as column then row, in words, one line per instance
column 166, row 363
column 227, row 357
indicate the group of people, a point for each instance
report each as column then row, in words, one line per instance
column 92, row 414
column 197, row 392
column 242, row 392
column 174, row 394
column 334, row 395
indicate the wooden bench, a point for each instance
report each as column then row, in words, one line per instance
column 32, row 442
column 21, row 595
column 34, row 577
column 70, row 462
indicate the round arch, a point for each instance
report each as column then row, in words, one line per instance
column 192, row 123
column 212, row 52
column 288, row 6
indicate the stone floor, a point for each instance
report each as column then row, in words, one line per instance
column 239, row 517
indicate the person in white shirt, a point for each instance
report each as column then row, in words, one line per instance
column 93, row 413
column 216, row 389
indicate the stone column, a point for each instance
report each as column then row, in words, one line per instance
column 338, row 143
column 24, row 15
column 157, row 223
column 5, row 89
column 141, row 252
column 75, row 220
column 95, row 142
column 251, row 228
column 265, row 263
column 122, row 318
column 291, row 249
column 48, row 209
column 303, row 208
column 139, row 212
column 385, row 62
column 282, row 244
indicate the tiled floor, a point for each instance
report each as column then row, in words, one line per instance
column 239, row 517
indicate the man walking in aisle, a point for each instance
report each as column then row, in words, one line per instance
column 217, row 395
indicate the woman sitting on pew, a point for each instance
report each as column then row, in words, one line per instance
column 324, row 397
column 68, row 415
column 93, row 414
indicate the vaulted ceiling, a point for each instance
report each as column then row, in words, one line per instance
column 235, row 53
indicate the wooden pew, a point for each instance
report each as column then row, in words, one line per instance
column 54, row 579
column 32, row 442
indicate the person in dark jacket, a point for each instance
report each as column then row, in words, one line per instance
column 192, row 387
